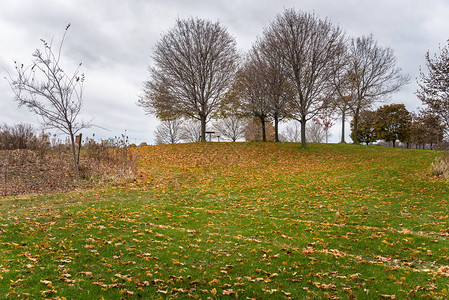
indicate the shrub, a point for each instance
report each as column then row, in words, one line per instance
column 18, row 136
column 108, row 160
column 441, row 165
column 444, row 145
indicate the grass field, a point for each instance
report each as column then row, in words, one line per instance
column 238, row 220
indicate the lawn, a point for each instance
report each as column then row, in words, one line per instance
column 238, row 220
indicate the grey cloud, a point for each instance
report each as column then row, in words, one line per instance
column 113, row 39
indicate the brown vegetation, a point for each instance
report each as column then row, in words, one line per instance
column 25, row 171
column 441, row 165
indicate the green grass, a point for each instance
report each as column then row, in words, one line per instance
column 246, row 220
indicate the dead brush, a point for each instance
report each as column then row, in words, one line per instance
column 41, row 163
column 441, row 165
column 108, row 161
column 24, row 171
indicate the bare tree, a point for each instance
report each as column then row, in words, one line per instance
column 50, row 92
column 373, row 76
column 262, row 89
column 308, row 47
column 251, row 96
column 315, row 132
column 231, row 127
column 326, row 119
column 342, row 105
column 168, row 132
column 274, row 83
column 292, row 134
column 191, row 131
column 342, row 99
column 426, row 127
column 194, row 64
column 434, row 86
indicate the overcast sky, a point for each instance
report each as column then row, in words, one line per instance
column 114, row 39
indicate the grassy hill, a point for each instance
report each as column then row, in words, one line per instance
column 246, row 220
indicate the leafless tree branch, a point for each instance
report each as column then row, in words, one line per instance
column 51, row 93
column 308, row 47
column 373, row 75
column 194, row 64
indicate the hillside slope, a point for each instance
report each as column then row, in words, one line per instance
column 239, row 220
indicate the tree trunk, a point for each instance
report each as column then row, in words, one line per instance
column 354, row 133
column 75, row 161
column 276, row 128
column 303, row 132
column 343, row 117
column 264, row 134
column 394, row 143
column 203, row 128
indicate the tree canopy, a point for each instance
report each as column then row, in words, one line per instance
column 392, row 123
column 308, row 47
column 373, row 75
column 365, row 132
column 434, row 85
column 194, row 64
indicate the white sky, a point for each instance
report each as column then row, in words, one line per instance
column 114, row 39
